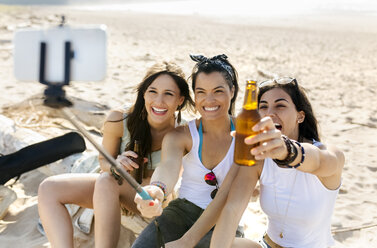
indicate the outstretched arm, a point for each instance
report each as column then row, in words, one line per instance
column 326, row 163
column 166, row 174
column 239, row 196
column 209, row 217
column 321, row 161
column 172, row 151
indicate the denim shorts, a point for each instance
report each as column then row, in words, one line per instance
column 176, row 219
column 264, row 244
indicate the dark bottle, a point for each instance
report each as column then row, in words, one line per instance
column 138, row 174
column 245, row 120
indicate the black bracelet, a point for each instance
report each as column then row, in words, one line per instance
column 302, row 155
column 117, row 177
column 292, row 154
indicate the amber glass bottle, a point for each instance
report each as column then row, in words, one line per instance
column 138, row 174
column 245, row 120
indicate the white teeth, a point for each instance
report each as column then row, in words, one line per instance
column 159, row 110
column 211, row 109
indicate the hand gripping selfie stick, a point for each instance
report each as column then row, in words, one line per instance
column 55, row 98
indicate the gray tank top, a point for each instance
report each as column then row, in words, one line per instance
column 153, row 159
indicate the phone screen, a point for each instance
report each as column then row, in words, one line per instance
column 88, row 45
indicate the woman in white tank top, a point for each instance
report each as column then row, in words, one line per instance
column 299, row 178
column 204, row 148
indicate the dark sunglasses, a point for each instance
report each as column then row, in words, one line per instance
column 281, row 81
column 210, row 179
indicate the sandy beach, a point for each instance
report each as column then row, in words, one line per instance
column 333, row 55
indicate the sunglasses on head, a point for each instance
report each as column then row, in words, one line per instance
column 281, row 81
column 210, row 179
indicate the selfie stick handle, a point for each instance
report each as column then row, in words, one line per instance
column 55, row 97
column 144, row 195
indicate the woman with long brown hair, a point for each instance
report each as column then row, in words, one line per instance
column 162, row 93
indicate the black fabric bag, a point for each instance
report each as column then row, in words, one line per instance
column 39, row 154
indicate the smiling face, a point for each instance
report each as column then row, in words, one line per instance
column 277, row 104
column 162, row 99
column 212, row 95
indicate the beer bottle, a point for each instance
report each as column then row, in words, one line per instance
column 138, row 174
column 245, row 120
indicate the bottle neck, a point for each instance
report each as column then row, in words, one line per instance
column 137, row 147
column 251, row 96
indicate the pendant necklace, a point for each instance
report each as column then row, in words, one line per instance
column 289, row 202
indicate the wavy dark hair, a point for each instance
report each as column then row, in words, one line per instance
column 309, row 127
column 137, row 123
column 220, row 64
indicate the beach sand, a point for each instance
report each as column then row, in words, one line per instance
column 333, row 55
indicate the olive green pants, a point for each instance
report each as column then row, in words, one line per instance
column 176, row 219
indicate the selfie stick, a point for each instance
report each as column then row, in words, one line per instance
column 55, row 98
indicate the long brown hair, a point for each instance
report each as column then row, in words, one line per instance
column 309, row 127
column 137, row 123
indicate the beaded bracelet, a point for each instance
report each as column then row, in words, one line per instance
column 291, row 156
column 302, row 155
column 161, row 185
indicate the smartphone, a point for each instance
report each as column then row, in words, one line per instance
column 88, row 46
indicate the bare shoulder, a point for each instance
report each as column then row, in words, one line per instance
column 115, row 116
column 179, row 137
column 333, row 156
column 333, row 150
column 338, row 153
column 182, row 130
column 178, row 132
column 114, row 124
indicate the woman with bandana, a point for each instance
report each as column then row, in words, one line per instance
column 205, row 149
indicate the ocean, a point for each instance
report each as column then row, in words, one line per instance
column 218, row 8
column 243, row 8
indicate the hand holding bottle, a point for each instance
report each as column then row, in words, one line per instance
column 127, row 159
column 271, row 143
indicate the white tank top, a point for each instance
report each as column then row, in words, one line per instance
column 193, row 187
column 298, row 205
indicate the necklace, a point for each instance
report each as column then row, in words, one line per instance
column 289, row 202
